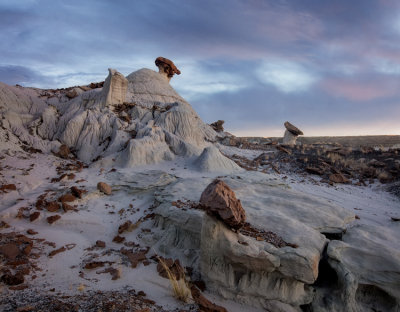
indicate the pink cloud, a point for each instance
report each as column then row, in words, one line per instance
column 360, row 90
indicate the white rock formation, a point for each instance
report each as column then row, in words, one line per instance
column 114, row 89
column 94, row 127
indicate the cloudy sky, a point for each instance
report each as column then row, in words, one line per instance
column 331, row 67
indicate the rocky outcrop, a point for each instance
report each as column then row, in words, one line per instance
column 367, row 271
column 166, row 67
column 242, row 267
column 219, row 200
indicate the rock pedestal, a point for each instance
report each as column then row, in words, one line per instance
column 291, row 134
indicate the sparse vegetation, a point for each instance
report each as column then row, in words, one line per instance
column 180, row 286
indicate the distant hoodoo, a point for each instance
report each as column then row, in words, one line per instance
column 166, row 67
column 291, row 134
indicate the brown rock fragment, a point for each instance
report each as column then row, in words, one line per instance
column 52, row 206
column 8, row 187
column 338, row 178
column 31, row 232
column 104, row 187
column 53, row 219
column 67, row 207
column 94, row 264
column 10, row 279
column 77, row 192
column 34, row 216
column 57, row 251
column 67, row 198
column 10, row 251
column 100, row 244
column 118, row 239
column 205, row 305
column 218, row 199
column 64, row 151
column 124, row 227
column 71, row 94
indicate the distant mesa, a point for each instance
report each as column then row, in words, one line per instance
column 166, row 67
column 291, row 134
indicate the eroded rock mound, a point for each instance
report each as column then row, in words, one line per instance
column 219, row 200
column 134, row 120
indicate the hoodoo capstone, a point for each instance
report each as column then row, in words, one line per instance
column 291, row 134
column 166, row 67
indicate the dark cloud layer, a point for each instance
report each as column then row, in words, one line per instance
column 327, row 66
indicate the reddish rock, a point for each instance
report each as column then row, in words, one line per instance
column 100, row 244
column 218, row 199
column 338, row 178
column 10, row 279
column 53, row 219
column 57, row 251
column 135, row 257
column 218, row 125
column 10, row 251
column 52, row 206
column 167, row 66
column 8, row 187
column 71, row 94
column 34, row 216
column 124, row 227
column 104, row 187
column 31, row 232
column 67, row 198
column 94, row 264
column 118, row 239
column 205, row 305
column 67, row 207
column 77, row 192
column 64, row 151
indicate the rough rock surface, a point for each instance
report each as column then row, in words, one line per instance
column 219, row 200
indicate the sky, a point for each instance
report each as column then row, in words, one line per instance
column 330, row 67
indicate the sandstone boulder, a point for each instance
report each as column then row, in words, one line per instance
column 104, row 187
column 219, row 200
